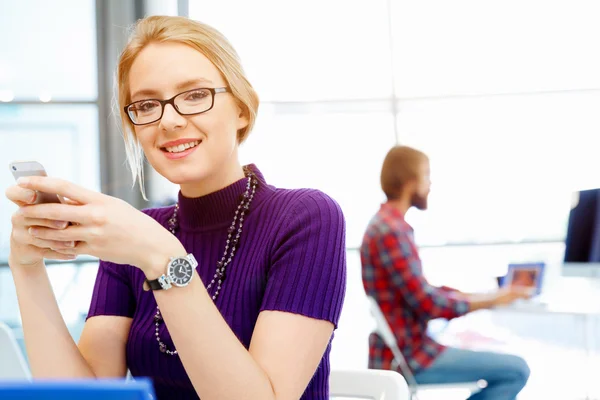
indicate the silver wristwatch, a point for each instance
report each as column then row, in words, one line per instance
column 180, row 271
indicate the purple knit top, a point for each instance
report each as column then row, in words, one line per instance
column 290, row 257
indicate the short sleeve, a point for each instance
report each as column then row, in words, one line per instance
column 307, row 275
column 113, row 294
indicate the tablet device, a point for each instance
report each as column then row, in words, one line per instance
column 529, row 275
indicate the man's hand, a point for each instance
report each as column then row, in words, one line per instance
column 509, row 295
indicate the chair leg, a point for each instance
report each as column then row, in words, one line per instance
column 408, row 377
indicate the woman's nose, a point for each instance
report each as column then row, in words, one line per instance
column 171, row 119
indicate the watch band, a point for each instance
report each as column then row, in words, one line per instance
column 154, row 284
column 160, row 283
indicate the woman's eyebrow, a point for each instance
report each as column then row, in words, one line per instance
column 180, row 86
column 193, row 82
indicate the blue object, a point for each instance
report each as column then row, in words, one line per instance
column 88, row 389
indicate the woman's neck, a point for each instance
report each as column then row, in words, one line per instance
column 215, row 182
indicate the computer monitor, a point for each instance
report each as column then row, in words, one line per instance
column 582, row 243
column 97, row 389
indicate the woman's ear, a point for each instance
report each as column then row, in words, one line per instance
column 242, row 117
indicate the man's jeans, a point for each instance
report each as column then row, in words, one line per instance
column 505, row 374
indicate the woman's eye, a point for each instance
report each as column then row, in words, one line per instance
column 197, row 95
column 146, row 106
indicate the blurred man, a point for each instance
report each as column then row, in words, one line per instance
column 392, row 274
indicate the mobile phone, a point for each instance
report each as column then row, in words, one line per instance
column 34, row 168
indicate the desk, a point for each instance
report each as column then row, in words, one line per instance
column 549, row 305
column 585, row 311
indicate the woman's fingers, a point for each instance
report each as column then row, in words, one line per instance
column 20, row 196
column 47, row 223
column 51, row 254
column 53, row 244
column 58, row 186
column 59, row 212
column 23, row 236
column 20, row 220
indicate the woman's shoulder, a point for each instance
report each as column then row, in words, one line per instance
column 302, row 201
column 291, row 211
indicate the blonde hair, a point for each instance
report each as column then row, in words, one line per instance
column 401, row 165
column 207, row 40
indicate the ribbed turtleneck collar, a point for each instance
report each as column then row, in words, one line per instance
column 216, row 208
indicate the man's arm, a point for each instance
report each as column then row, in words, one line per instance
column 399, row 257
column 449, row 289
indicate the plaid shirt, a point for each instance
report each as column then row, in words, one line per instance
column 392, row 274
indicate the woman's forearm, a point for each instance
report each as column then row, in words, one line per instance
column 218, row 365
column 51, row 350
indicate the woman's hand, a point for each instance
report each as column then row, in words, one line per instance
column 26, row 250
column 104, row 226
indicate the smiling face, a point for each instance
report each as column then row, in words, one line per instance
column 198, row 152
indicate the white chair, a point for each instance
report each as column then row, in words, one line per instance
column 368, row 384
column 12, row 363
column 385, row 332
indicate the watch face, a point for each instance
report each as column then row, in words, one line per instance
column 181, row 271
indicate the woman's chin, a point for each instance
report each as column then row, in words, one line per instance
column 183, row 180
column 184, row 177
column 179, row 174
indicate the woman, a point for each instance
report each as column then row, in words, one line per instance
column 234, row 292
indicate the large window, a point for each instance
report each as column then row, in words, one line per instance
column 503, row 167
column 62, row 137
column 48, row 113
column 502, row 97
column 467, row 47
column 48, row 50
column 48, row 93
column 309, row 50
column 324, row 78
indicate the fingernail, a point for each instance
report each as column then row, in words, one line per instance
column 33, row 197
column 33, row 231
column 60, row 224
column 22, row 181
column 70, row 244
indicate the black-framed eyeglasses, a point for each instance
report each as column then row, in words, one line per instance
column 190, row 102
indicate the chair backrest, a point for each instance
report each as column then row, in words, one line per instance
column 12, row 363
column 383, row 328
column 368, row 384
column 385, row 332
